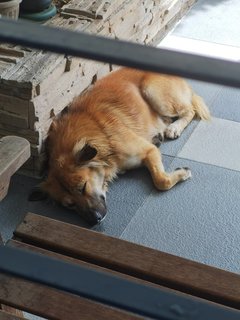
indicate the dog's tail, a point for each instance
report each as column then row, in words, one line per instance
column 200, row 108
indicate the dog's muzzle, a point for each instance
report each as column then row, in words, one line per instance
column 96, row 215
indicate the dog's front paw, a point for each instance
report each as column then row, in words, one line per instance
column 185, row 173
column 173, row 131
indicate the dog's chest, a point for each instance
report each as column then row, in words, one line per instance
column 131, row 163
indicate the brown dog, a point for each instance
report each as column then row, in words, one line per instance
column 113, row 127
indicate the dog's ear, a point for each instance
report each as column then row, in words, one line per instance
column 37, row 194
column 87, row 153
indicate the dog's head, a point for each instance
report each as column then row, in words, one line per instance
column 77, row 180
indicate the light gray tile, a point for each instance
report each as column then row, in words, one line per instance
column 216, row 143
column 198, row 219
column 212, row 20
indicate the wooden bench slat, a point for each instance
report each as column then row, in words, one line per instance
column 53, row 304
column 154, row 266
column 14, row 152
column 17, row 244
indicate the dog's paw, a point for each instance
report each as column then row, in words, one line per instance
column 173, row 131
column 158, row 139
column 185, row 173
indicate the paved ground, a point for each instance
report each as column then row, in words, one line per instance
column 198, row 219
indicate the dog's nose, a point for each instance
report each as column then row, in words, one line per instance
column 95, row 217
column 97, row 213
column 98, row 217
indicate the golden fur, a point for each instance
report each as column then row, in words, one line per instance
column 111, row 128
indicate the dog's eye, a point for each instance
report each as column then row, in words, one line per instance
column 82, row 188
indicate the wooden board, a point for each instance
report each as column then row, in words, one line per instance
column 14, row 151
column 49, row 253
column 144, row 263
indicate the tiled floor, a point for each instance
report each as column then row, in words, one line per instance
column 200, row 218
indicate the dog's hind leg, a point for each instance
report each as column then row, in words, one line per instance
column 169, row 97
column 175, row 129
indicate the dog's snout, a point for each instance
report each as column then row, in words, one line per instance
column 96, row 217
column 98, row 212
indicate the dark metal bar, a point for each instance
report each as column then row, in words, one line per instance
column 146, row 301
column 120, row 52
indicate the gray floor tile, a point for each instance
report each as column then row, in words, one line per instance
column 212, row 20
column 32, row 317
column 226, row 104
column 125, row 196
column 208, row 91
column 198, row 219
column 214, row 142
column 173, row 147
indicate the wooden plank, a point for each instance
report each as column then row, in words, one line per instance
column 53, row 304
column 154, row 266
column 14, row 151
column 7, row 316
column 22, row 245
